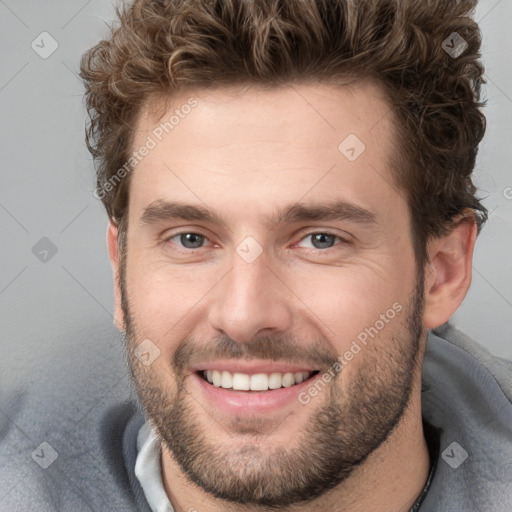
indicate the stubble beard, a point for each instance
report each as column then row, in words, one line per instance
column 350, row 423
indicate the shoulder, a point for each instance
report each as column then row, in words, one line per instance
column 61, row 426
column 500, row 369
column 466, row 393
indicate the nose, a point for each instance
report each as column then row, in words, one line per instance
column 251, row 300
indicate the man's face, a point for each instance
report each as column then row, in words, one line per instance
column 305, row 257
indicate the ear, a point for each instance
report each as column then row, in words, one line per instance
column 448, row 276
column 113, row 251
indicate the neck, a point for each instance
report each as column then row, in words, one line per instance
column 389, row 480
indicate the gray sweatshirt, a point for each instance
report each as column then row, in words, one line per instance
column 69, row 425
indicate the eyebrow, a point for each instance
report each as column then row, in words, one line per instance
column 162, row 210
column 337, row 210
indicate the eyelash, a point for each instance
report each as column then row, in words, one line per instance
column 341, row 241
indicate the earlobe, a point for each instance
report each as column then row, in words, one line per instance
column 448, row 275
column 113, row 251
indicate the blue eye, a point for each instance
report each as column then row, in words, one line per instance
column 321, row 240
column 312, row 241
column 190, row 240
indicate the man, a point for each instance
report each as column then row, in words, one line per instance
column 291, row 217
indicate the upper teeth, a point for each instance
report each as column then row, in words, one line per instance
column 256, row 382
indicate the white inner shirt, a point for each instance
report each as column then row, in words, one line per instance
column 148, row 469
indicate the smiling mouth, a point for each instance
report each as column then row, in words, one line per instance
column 254, row 382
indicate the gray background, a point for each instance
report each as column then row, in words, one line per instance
column 47, row 182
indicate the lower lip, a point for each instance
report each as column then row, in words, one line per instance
column 248, row 403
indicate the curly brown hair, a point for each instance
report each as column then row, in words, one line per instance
column 162, row 46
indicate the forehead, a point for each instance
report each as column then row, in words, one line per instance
column 330, row 111
column 249, row 147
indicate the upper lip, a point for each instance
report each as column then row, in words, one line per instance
column 251, row 367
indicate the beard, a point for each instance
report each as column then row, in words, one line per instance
column 348, row 423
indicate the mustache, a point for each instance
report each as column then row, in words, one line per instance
column 317, row 354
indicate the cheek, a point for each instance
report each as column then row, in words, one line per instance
column 171, row 302
column 350, row 300
column 163, row 299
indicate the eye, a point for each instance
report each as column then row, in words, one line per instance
column 320, row 240
column 188, row 240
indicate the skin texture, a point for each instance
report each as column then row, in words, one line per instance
column 245, row 153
